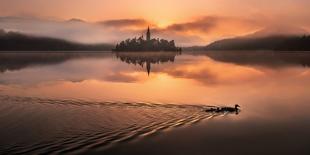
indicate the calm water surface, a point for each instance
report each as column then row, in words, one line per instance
column 75, row 102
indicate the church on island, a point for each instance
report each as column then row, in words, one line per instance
column 147, row 44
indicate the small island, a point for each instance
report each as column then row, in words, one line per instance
column 147, row 44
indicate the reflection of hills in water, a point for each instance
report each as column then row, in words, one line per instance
column 17, row 61
column 261, row 58
column 146, row 58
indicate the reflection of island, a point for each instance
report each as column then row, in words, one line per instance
column 149, row 44
column 146, row 58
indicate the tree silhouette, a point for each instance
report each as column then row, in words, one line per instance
column 141, row 44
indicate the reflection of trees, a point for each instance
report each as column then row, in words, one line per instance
column 146, row 58
column 17, row 61
column 261, row 58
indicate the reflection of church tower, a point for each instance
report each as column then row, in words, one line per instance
column 148, row 34
column 148, row 67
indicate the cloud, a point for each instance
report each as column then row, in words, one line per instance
column 198, row 31
column 202, row 25
column 125, row 23
column 206, row 29
column 85, row 32
column 110, row 31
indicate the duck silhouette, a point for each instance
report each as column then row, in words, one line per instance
column 224, row 109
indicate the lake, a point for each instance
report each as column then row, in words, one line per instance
column 136, row 103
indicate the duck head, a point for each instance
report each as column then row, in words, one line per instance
column 236, row 106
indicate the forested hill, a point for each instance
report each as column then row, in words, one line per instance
column 13, row 41
column 277, row 43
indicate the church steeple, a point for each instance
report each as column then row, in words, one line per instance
column 148, row 34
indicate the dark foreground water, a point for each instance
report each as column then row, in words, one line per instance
column 153, row 103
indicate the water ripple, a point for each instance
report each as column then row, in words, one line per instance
column 75, row 125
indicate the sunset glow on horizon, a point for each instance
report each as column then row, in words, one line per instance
column 130, row 77
column 188, row 22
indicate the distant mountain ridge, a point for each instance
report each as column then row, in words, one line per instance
column 14, row 41
column 278, row 31
column 264, row 40
column 277, row 43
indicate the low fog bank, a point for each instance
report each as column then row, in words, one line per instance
column 199, row 31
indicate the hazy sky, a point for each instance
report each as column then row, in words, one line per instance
column 226, row 17
column 159, row 11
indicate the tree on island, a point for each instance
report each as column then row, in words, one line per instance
column 149, row 44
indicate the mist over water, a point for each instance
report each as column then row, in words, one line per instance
column 81, row 102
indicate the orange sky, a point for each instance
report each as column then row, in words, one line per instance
column 160, row 11
column 232, row 17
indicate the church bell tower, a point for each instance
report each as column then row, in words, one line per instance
column 148, row 34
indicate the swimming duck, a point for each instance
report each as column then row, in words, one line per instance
column 224, row 109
